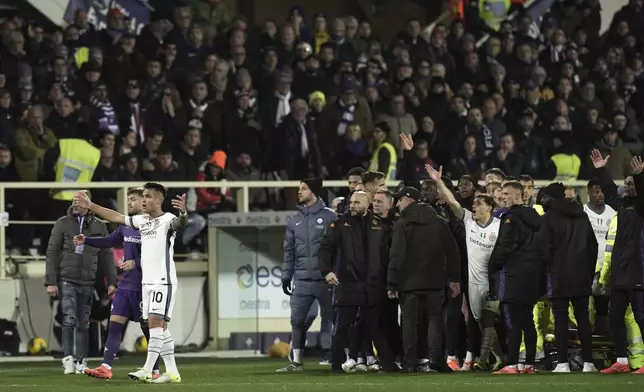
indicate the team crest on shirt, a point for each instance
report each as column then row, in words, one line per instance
column 492, row 236
column 319, row 221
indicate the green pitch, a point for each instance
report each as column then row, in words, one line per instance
column 259, row 375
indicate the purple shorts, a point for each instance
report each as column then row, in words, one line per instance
column 127, row 303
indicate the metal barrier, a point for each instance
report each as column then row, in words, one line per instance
column 242, row 198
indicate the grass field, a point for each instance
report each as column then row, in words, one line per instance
column 259, row 375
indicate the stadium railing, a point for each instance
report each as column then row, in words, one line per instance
column 242, row 196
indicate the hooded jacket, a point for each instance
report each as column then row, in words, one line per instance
column 569, row 250
column 62, row 262
column 304, row 233
column 516, row 259
column 424, row 254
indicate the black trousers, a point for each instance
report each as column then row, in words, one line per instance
column 619, row 301
column 560, row 311
column 360, row 342
column 391, row 327
column 428, row 304
column 453, row 318
column 519, row 323
column 345, row 317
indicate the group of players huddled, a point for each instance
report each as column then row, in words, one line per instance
column 497, row 256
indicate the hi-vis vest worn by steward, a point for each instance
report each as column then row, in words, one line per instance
column 77, row 161
column 393, row 161
column 493, row 12
column 567, row 165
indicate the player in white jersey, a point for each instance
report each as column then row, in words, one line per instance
column 600, row 216
column 481, row 231
column 158, row 231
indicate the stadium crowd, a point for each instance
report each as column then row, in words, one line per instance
column 206, row 96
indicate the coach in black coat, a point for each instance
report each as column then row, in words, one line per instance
column 355, row 242
column 570, row 253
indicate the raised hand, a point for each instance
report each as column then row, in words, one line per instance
column 434, row 174
column 598, row 160
column 82, row 200
column 636, row 165
column 407, row 141
column 179, row 203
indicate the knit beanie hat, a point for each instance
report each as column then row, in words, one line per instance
column 556, row 190
column 315, row 185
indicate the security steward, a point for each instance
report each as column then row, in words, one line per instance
column 626, row 264
column 356, row 240
column 570, row 254
column 424, row 258
column 515, row 262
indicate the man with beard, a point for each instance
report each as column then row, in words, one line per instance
column 304, row 234
column 423, row 258
column 626, row 275
column 354, row 180
column 570, row 254
column 356, row 242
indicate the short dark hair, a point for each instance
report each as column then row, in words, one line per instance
column 164, row 150
column 497, row 172
column 154, row 132
column 155, row 186
column 514, row 185
column 356, row 171
column 487, row 199
column 526, row 178
column 135, row 191
column 510, row 179
column 593, row 182
column 371, row 176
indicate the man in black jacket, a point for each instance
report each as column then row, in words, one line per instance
column 359, row 277
column 627, row 261
column 517, row 262
column 570, row 253
column 423, row 259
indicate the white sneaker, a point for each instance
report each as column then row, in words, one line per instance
column 467, row 366
column 349, row 366
column 589, row 367
column 361, row 367
column 167, row 378
column 81, row 366
column 141, row 375
column 68, row 365
column 374, row 367
column 562, row 368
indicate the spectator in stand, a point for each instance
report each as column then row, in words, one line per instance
column 211, row 200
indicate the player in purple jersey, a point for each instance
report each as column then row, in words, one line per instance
column 127, row 300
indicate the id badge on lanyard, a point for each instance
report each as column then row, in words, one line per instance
column 80, row 248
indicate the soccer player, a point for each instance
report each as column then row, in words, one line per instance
column 481, row 232
column 127, row 300
column 600, row 215
column 159, row 282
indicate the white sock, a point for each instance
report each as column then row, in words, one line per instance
column 106, row 366
column 346, row 352
column 167, row 353
column 469, row 357
column 154, row 348
column 371, row 360
column 297, row 355
column 622, row 361
column 451, row 357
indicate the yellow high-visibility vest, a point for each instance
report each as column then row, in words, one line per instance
column 77, row 161
column 393, row 160
column 493, row 12
column 568, row 166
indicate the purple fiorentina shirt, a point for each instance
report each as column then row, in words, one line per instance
column 131, row 240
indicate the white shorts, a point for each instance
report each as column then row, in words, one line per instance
column 158, row 300
column 477, row 295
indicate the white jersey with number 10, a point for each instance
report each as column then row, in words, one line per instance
column 157, row 247
column 480, row 244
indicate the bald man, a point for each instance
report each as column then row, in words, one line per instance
column 360, row 236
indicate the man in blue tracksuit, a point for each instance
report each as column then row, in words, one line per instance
column 301, row 276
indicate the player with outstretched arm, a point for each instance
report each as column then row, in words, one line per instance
column 159, row 282
column 127, row 303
